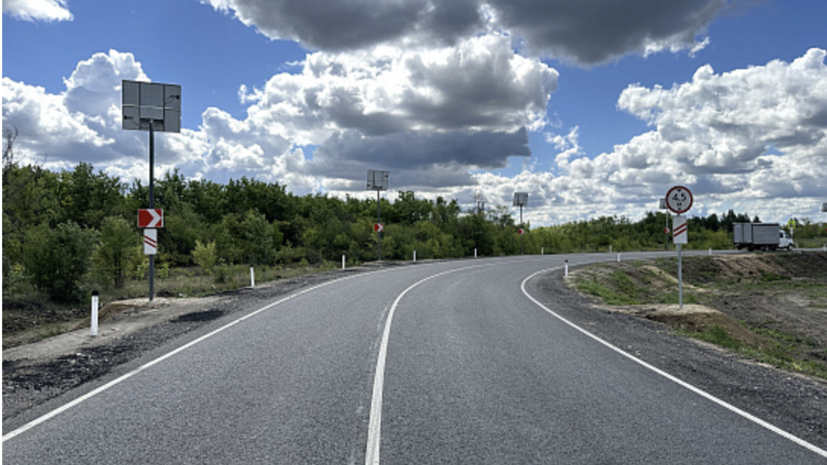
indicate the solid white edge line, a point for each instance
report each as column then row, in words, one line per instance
column 708, row 396
column 375, row 421
column 122, row 378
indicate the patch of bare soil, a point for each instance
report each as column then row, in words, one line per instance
column 765, row 301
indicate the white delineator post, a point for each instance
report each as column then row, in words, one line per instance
column 343, row 262
column 414, row 256
column 567, row 267
column 94, row 326
column 252, row 277
column 475, row 253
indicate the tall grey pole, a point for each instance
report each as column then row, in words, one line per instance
column 522, row 226
column 379, row 215
column 680, row 276
column 151, row 204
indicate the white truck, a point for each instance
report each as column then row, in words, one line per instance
column 764, row 236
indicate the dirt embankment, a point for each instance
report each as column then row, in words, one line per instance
column 770, row 306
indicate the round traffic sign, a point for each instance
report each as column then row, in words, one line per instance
column 679, row 199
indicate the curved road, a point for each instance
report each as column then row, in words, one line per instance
column 450, row 362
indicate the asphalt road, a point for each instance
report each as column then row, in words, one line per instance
column 450, row 362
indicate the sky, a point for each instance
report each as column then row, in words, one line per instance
column 593, row 107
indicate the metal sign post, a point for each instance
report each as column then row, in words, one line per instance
column 521, row 200
column 679, row 200
column 378, row 181
column 150, row 106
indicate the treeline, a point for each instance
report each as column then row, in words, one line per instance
column 64, row 232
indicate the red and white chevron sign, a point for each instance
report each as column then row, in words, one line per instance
column 150, row 241
column 680, row 230
column 150, row 218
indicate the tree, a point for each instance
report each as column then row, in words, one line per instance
column 118, row 245
column 205, row 256
column 259, row 247
column 56, row 260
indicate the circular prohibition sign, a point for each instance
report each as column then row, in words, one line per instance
column 679, row 199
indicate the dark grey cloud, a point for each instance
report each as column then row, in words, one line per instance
column 418, row 159
column 594, row 31
column 583, row 31
column 347, row 25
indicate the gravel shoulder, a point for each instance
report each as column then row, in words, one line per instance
column 35, row 373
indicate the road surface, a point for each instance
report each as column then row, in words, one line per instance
column 449, row 362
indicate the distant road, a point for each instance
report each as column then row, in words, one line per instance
column 449, row 362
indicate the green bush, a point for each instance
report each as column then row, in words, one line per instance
column 118, row 245
column 205, row 256
column 56, row 260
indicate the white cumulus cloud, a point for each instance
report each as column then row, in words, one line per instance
column 38, row 10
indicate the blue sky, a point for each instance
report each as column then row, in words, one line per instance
column 593, row 111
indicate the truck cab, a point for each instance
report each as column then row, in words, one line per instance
column 785, row 241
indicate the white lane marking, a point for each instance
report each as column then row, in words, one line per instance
column 680, row 382
column 141, row 368
column 375, row 422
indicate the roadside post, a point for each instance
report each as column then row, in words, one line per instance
column 521, row 200
column 664, row 206
column 679, row 200
column 151, row 106
column 94, row 319
column 378, row 181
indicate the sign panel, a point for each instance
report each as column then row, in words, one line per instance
column 679, row 230
column 679, row 199
column 520, row 199
column 150, row 218
column 145, row 102
column 150, row 241
column 521, row 231
column 377, row 180
column 378, row 227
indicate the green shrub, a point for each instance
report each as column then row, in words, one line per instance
column 56, row 260
column 205, row 256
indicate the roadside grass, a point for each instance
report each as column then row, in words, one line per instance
column 31, row 317
column 632, row 283
column 631, row 287
column 783, row 351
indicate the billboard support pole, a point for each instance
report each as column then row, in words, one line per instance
column 379, row 216
column 151, row 204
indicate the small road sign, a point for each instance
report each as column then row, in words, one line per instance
column 150, row 241
column 521, row 231
column 378, row 227
column 679, row 230
column 679, row 199
column 150, row 218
